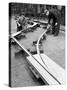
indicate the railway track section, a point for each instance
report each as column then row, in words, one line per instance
column 40, row 66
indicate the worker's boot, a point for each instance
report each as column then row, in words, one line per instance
column 48, row 31
column 56, row 31
column 53, row 29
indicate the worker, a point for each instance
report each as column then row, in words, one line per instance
column 21, row 22
column 54, row 20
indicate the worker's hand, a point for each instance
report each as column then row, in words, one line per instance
column 56, row 24
column 47, row 13
column 48, row 26
column 18, row 23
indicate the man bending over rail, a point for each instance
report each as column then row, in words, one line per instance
column 54, row 21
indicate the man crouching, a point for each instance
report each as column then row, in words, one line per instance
column 21, row 23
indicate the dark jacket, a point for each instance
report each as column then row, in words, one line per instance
column 55, row 15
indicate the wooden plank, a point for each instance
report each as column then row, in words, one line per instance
column 53, row 68
column 43, row 73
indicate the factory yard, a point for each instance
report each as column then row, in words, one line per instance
column 53, row 47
